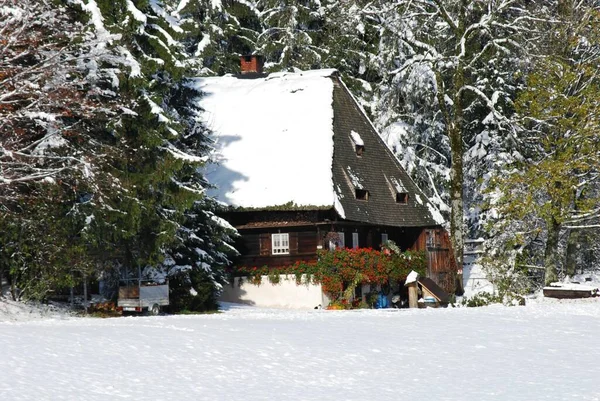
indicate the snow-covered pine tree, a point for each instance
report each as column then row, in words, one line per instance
column 557, row 181
column 159, row 179
column 408, row 118
column 292, row 34
column 51, row 145
column 164, row 144
column 452, row 49
column 218, row 33
column 197, row 263
column 350, row 44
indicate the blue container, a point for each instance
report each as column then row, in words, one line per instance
column 382, row 301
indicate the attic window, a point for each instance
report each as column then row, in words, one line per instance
column 401, row 197
column 362, row 194
column 359, row 145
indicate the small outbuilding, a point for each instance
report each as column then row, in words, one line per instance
column 431, row 294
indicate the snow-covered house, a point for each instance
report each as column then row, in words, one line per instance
column 303, row 169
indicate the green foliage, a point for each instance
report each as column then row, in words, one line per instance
column 510, row 279
column 283, row 207
column 274, row 277
column 564, row 119
column 481, row 299
column 557, row 177
column 192, row 290
column 41, row 249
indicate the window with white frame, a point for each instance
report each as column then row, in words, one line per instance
column 280, row 244
column 354, row 240
column 384, row 238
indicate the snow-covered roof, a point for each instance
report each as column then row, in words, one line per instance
column 290, row 139
column 266, row 130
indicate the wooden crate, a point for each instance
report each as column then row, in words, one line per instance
column 129, row 292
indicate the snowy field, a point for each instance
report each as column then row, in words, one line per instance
column 547, row 351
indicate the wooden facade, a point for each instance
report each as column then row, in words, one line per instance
column 310, row 231
column 441, row 265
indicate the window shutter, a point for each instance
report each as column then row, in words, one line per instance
column 265, row 244
column 293, row 243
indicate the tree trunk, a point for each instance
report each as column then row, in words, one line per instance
column 551, row 252
column 573, row 242
column 13, row 289
column 85, row 294
column 1, row 280
column 456, row 171
column 456, row 196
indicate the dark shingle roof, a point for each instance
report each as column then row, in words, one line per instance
column 377, row 171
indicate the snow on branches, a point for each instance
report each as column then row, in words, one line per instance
column 45, row 101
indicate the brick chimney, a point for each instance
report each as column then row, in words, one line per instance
column 252, row 64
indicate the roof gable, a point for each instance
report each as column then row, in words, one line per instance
column 375, row 170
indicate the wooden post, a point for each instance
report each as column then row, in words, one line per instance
column 413, row 295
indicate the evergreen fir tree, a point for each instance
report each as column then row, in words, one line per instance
column 196, row 264
column 218, row 33
column 292, row 34
column 350, row 39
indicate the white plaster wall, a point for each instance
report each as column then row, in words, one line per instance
column 285, row 294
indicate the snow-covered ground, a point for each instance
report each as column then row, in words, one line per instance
column 544, row 351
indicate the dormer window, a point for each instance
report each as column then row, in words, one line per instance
column 359, row 145
column 398, row 190
column 362, row 194
column 356, row 182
